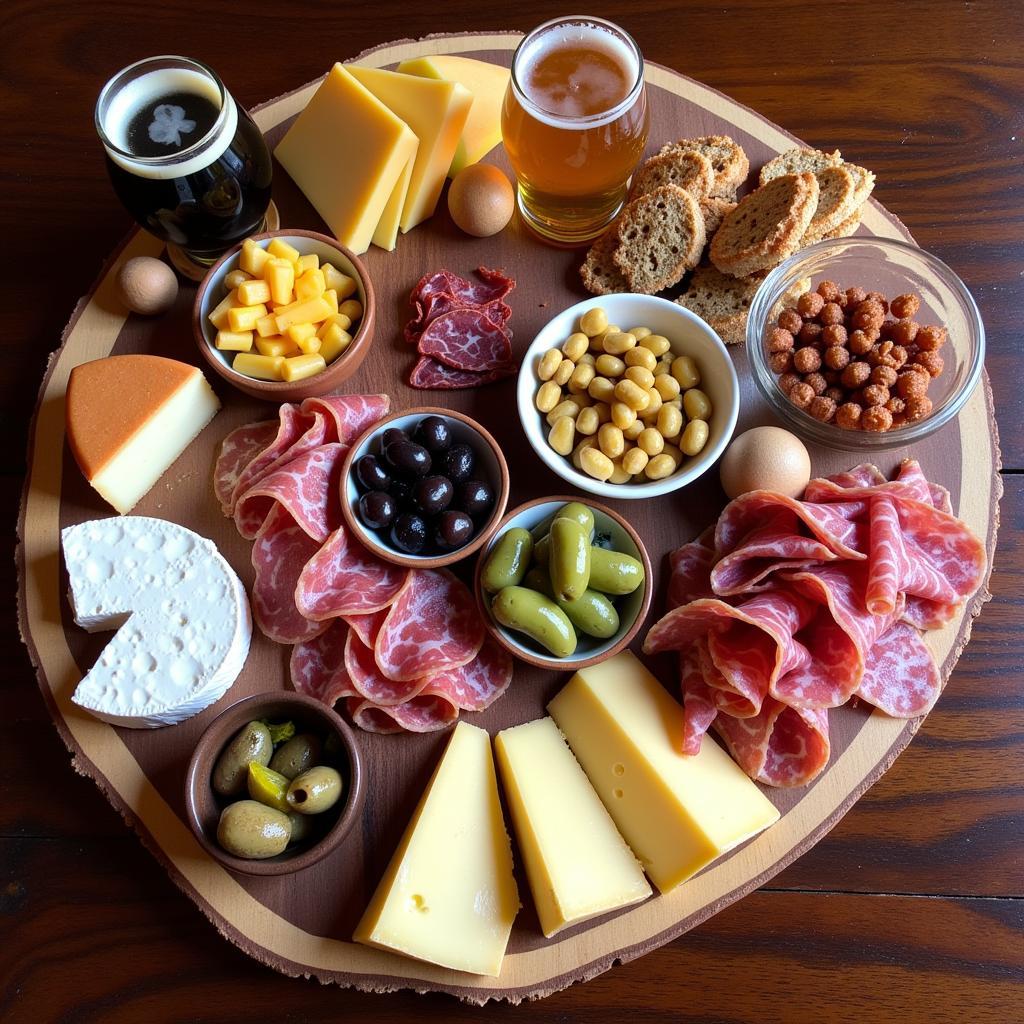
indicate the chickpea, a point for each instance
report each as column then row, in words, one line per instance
column 594, row 321
column 575, row 346
column 670, row 421
column 654, row 403
column 581, row 377
column 634, row 430
column 564, row 372
column 667, row 386
column 623, row 416
column 696, row 404
column 640, row 376
column 549, row 362
column 562, row 435
column 611, row 441
column 609, row 366
column 695, row 436
column 548, row 396
column 642, row 357
column 588, row 421
column 660, row 467
column 651, row 441
column 631, row 394
column 635, row 461
column 595, row 463
column 903, row 307
column 577, row 452
column 848, row 416
column 619, row 343
column 640, row 333
column 566, row 408
column 684, row 369
column 601, row 389
column 657, row 344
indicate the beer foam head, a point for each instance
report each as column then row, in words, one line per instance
column 118, row 105
column 608, row 79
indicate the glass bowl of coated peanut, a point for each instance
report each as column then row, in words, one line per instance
column 643, row 399
column 883, row 350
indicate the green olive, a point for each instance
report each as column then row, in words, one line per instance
column 569, row 564
column 252, row 830
column 508, row 561
column 529, row 612
column 231, row 772
column 315, row 790
column 579, row 513
column 592, row 613
column 613, row 572
column 303, row 827
column 298, row 754
column 268, row 787
column 542, row 549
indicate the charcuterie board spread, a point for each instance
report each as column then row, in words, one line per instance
column 584, row 699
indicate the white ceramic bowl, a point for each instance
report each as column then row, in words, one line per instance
column 689, row 335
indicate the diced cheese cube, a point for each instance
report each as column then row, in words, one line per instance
column 335, row 318
column 235, row 278
column 310, row 285
column 233, row 341
column 352, row 308
column 280, row 275
column 253, row 258
column 259, row 366
column 301, row 367
column 253, row 292
column 308, row 261
column 334, row 342
column 243, row 318
column 344, row 285
column 219, row 314
column 279, row 247
column 266, row 326
column 310, row 311
column 331, row 297
column 276, row 346
column 300, row 332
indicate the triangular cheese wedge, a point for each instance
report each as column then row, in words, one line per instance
column 448, row 895
column 436, row 111
column 387, row 227
column 130, row 417
column 487, row 82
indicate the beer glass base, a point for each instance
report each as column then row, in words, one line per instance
column 569, row 233
column 195, row 267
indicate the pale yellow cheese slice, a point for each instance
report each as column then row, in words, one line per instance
column 386, row 233
column 448, row 896
column 436, row 111
column 347, row 151
column 678, row 813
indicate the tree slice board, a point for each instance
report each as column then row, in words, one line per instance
column 302, row 924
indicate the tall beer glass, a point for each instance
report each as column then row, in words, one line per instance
column 575, row 124
column 188, row 163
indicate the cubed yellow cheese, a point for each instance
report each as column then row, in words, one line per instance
column 334, row 341
column 259, row 366
column 218, row 316
column 678, row 813
column 436, row 110
column 335, row 318
column 346, row 151
column 279, row 247
column 276, row 346
column 577, row 864
column 236, row 277
column 385, row 234
column 307, row 261
column 253, row 292
column 352, row 308
column 310, row 285
column 302, row 366
column 448, row 896
column 243, row 318
column 300, row 332
column 487, row 83
column 233, row 341
column 311, row 311
column 266, row 326
column 331, row 297
column 253, row 258
column 280, row 276
column 342, row 284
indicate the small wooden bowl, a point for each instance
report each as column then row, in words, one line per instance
column 490, row 461
column 203, row 805
column 632, row 608
column 211, row 291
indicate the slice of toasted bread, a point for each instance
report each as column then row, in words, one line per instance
column 835, row 202
column 661, row 236
column 796, row 161
column 714, row 209
column 687, row 169
column 721, row 300
column 863, row 184
column 727, row 157
column 766, row 226
column 848, row 227
column 599, row 273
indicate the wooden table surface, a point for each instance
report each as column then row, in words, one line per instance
column 912, row 909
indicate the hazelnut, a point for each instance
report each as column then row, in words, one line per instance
column 912, row 383
column 904, row 331
column 860, row 343
column 787, row 380
column 884, row 375
column 879, row 299
column 810, row 333
column 855, row 296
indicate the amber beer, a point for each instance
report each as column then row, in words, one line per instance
column 575, row 124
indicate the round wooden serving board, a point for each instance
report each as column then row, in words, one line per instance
column 302, row 924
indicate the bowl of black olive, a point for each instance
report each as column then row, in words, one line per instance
column 425, row 487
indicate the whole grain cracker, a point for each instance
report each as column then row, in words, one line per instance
column 686, row 169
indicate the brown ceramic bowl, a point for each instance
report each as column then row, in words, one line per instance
column 535, row 516
column 490, row 467
column 203, row 805
column 211, row 291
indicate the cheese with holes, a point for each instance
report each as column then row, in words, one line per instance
column 129, row 417
column 577, row 864
column 436, row 110
column 448, row 895
column 677, row 813
column 347, row 151
column 180, row 613
column 487, row 83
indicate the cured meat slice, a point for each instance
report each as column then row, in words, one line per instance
column 479, row 683
column 901, row 677
column 492, row 285
column 367, row 626
column 370, row 718
column 343, row 578
column 426, row 712
column 467, row 339
column 280, row 551
column 237, row 450
column 690, row 567
column 368, row 680
column 317, row 666
column 430, row 375
column 699, row 708
column 348, row 416
column 292, row 424
column 307, row 487
column 781, row 746
column 887, row 566
column 439, row 303
column 433, row 626
column 925, row 614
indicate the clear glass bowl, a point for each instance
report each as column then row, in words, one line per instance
column 892, row 268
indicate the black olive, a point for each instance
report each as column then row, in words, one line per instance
column 474, row 497
column 409, row 533
column 371, row 475
column 391, row 435
column 458, row 463
column 407, row 458
column 433, row 494
column 377, row 510
column 401, row 491
column 452, row 530
column 434, row 434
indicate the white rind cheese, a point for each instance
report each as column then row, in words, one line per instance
column 180, row 611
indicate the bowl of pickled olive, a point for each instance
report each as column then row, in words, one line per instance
column 274, row 784
column 425, row 487
column 628, row 396
column 563, row 583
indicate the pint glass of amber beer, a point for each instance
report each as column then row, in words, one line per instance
column 575, row 124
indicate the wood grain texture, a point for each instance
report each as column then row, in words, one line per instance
column 928, row 95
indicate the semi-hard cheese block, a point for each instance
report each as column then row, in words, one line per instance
column 577, row 864
column 385, row 234
column 448, row 895
column 346, row 151
column 487, row 82
column 129, row 417
column 678, row 813
column 182, row 619
column 436, row 111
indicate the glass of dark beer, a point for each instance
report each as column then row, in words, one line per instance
column 187, row 162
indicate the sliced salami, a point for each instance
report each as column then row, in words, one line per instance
column 699, row 708
column 368, row 680
column 292, row 424
column 317, row 666
column 430, row 375
column 348, row 416
column 690, row 571
column 467, row 339
column 433, row 626
column 367, row 626
column 237, row 450
column 344, row 578
column 479, row 683
column 900, row 676
column 492, row 285
column 370, row 718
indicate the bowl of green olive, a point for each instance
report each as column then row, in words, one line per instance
column 274, row 784
column 563, row 583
